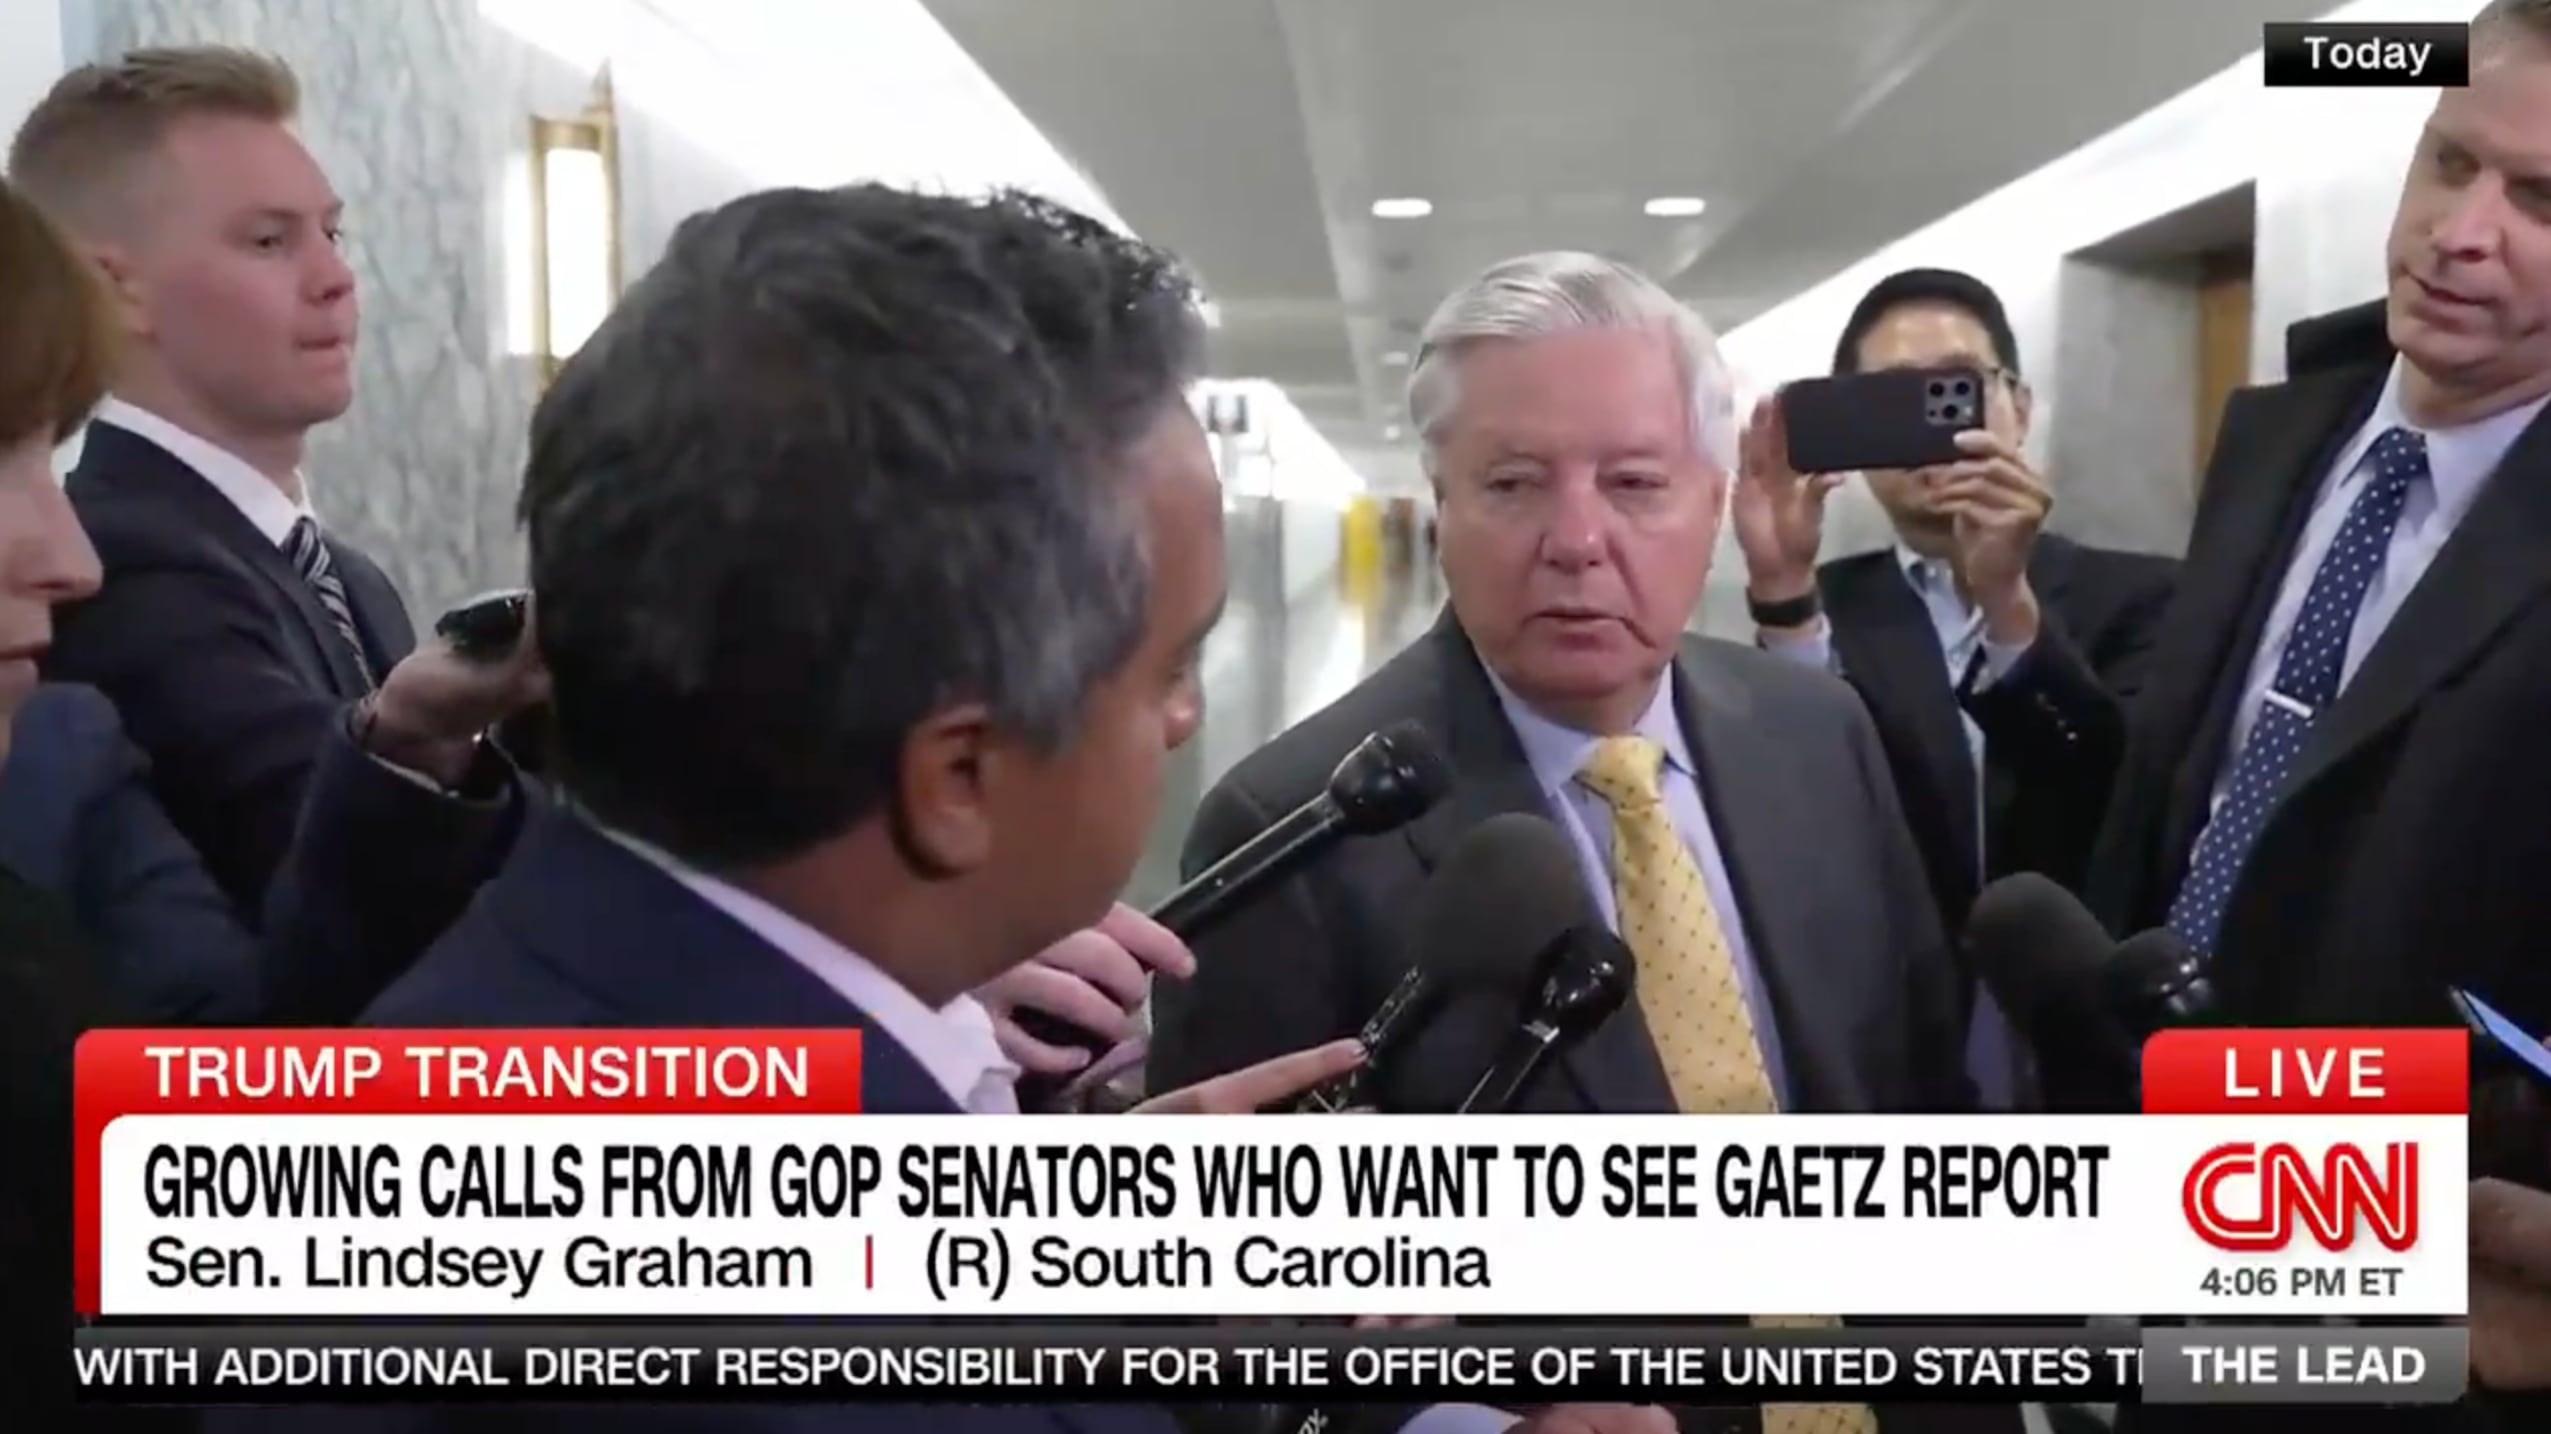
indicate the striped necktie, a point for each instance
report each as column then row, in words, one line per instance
column 309, row 553
column 1689, row 992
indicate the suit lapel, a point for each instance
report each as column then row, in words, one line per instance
column 1490, row 775
column 1615, row 1068
column 1770, row 858
column 113, row 457
column 1885, row 639
column 2489, row 570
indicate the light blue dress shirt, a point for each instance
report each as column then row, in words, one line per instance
column 1558, row 753
column 1960, row 631
column 2459, row 462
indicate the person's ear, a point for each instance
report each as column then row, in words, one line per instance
column 945, row 779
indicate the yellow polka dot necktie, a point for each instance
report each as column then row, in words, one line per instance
column 1689, row 994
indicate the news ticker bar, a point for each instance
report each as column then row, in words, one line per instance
column 798, row 1363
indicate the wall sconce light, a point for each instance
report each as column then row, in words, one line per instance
column 575, row 222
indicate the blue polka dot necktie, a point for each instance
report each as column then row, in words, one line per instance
column 2306, row 683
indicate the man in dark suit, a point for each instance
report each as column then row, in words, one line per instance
column 873, row 543
column 1994, row 657
column 231, row 630
column 1733, row 812
column 2335, row 776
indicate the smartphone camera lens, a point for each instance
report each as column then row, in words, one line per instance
column 1938, row 388
column 1965, row 388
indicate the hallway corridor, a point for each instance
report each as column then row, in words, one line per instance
column 1269, row 666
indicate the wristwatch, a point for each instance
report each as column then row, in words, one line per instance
column 1788, row 612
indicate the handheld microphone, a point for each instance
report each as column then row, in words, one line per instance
column 1588, row 981
column 1462, row 941
column 2155, row 983
column 2040, row 953
column 1514, row 892
column 2084, row 1000
column 1390, row 779
column 1525, row 898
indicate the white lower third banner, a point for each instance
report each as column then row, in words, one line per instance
column 582, row 1216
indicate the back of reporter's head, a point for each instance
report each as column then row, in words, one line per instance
column 872, row 537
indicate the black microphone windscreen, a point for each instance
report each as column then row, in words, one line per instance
column 1508, row 890
column 1392, row 778
column 2149, row 960
column 2036, row 947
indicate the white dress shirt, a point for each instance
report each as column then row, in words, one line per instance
column 254, row 494
column 2459, row 462
column 954, row 1043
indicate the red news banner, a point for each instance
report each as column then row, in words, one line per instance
column 665, row 1073
column 2272, row 1176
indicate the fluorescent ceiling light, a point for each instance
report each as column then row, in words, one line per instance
column 1402, row 208
column 1675, row 207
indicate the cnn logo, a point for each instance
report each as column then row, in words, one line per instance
column 2272, row 1189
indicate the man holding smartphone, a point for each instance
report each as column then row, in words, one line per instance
column 1993, row 656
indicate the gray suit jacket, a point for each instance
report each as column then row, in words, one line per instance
column 1836, row 909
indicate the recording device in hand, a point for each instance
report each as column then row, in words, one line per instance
column 1463, row 940
column 1886, row 418
column 2510, row 1117
column 2502, row 1043
column 487, row 626
column 1390, row 779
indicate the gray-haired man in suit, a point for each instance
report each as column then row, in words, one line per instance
column 1733, row 812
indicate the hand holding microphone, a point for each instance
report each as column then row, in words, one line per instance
column 1095, row 981
column 1390, row 779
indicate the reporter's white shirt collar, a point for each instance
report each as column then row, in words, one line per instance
column 955, row 1043
column 235, row 478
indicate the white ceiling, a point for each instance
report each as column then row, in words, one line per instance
column 1253, row 136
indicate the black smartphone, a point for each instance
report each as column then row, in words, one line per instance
column 1888, row 418
column 2513, row 1042
column 486, row 627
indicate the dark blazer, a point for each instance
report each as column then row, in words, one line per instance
column 225, row 667
column 1830, row 889
column 579, row 931
column 2412, row 850
column 382, row 865
column 2054, row 725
